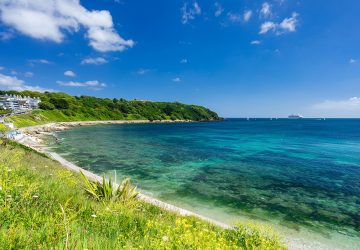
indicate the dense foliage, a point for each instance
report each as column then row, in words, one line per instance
column 92, row 108
column 43, row 206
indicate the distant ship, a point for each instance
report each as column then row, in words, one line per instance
column 295, row 116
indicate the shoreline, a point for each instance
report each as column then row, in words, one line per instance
column 60, row 126
column 166, row 206
column 33, row 138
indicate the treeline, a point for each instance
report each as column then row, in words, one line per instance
column 88, row 107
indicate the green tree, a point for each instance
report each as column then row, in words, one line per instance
column 46, row 105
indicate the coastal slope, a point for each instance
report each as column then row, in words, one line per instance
column 61, row 107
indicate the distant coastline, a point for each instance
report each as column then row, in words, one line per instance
column 61, row 107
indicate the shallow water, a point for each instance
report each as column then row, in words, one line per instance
column 302, row 176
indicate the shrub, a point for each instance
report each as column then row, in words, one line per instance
column 106, row 191
column 46, row 105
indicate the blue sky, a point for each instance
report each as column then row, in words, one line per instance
column 241, row 58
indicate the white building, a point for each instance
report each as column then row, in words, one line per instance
column 18, row 103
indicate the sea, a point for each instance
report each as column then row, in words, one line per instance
column 301, row 177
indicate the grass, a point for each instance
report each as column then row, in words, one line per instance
column 43, row 206
column 40, row 117
column 3, row 128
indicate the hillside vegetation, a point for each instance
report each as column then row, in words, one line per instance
column 63, row 107
column 43, row 206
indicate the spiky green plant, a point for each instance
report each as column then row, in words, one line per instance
column 106, row 191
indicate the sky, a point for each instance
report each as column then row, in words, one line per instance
column 240, row 58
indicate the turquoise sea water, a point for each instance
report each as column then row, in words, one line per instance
column 300, row 175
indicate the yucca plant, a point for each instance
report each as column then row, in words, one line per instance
column 106, row 191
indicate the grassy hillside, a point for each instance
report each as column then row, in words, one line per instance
column 64, row 107
column 43, row 206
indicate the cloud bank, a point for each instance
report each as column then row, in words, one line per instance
column 351, row 103
column 339, row 108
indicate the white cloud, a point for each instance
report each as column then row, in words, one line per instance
column 234, row 17
column 13, row 83
column 265, row 9
column 52, row 19
column 95, row 61
column 142, row 71
column 1, row 68
column 107, row 40
column 218, row 9
column 29, row 74
column 183, row 61
column 255, row 42
column 13, row 72
column 247, row 15
column 352, row 61
column 189, row 12
column 38, row 61
column 289, row 24
column 96, row 85
column 265, row 27
column 69, row 73
column 176, row 79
